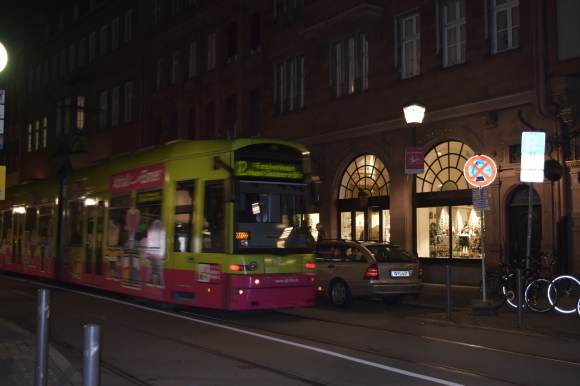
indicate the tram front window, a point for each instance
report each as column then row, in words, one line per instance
column 272, row 216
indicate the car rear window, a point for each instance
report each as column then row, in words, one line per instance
column 389, row 254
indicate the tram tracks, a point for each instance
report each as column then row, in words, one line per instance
column 295, row 336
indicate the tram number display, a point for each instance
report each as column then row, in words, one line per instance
column 268, row 169
column 242, row 235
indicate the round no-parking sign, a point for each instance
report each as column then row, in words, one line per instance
column 480, row 171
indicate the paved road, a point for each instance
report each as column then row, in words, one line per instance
column 135, row 342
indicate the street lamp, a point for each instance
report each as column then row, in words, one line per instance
column 3, row 57
column 414, row 112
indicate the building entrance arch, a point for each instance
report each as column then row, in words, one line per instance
column 518, row 224
column 363, row 201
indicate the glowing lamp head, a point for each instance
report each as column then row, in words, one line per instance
column 414, row 111
column 3, row 57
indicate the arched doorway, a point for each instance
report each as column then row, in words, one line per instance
column 518, row 224
column 363, row 200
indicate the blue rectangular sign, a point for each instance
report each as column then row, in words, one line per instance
column 533, row 142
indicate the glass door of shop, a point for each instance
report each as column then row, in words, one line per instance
column 366, row 224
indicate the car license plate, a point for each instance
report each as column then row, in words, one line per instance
column 400, row 273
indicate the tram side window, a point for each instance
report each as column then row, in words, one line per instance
column 214, row 222
column 149, row 233
column 118, row 232
column 30, row 225
column 75, row 222
column 184, row 213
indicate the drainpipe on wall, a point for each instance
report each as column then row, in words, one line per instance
column 542, row 109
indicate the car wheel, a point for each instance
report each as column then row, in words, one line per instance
column 391, row 300
column 339, row 293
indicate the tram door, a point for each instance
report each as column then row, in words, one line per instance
column 94, row 244
column 17, row 234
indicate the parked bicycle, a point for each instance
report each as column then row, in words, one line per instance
column 502, row 287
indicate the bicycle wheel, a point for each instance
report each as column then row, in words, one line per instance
column 541, row 295
column 494, row 290
column 511, row 291
column 568, row 288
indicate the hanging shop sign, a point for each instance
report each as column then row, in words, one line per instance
column 414, row 160
column 480, row 171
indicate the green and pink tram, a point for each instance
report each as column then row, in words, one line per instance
column 216, row 224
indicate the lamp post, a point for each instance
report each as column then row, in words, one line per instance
column 414, row 112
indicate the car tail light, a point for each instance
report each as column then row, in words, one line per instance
column 310, row 265
column 372, row 272
column 420, row 272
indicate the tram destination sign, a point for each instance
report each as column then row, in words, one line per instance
column 268, row 169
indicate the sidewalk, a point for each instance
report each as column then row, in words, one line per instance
column 552, row 324
column 18, row 360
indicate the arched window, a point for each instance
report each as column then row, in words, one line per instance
column 444, row 168
column 366, row 173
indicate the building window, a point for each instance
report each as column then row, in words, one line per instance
column 71, row 58
column 36, row 134
column 410, row 45
column 62, row 63
column 115, row 106
column 54, row 67
column 58, row 118
column 30, row 80
column 349, row 64
column 38, row 76
column 80, row 112
column 192, row 59
column 506, row 24
column 61, row 22
column 82, row 52
column 211, row 52
column 174, row 66
column 232, row 42
column 45, row 73
column 103, row 40
column 29, row 137
column 76, row 11
column 286, row 11
column 67, row 117
column 255, row 33
column 115, row 34
column 365, row 184
column 103, row 108
column 156, row 12
column 159, row 73
column 44, row 131
column 454, row 36
column 174, row 7
column 127, row 108
column 289, row 84
column 128, row 25
column 255, row 113
column 445, row 230
column 92, row 4
column 92, row 38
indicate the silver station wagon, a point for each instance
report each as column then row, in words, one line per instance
column 355, row 269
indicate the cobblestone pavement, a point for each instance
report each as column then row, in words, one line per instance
column 18, row 360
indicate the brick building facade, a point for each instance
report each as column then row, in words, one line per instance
column 105, row 78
